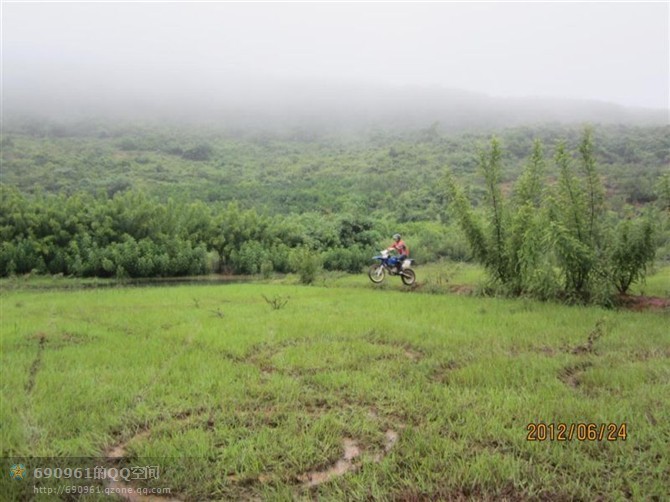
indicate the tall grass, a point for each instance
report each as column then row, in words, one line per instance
column 237, row 399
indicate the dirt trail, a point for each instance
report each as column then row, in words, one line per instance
column 341, row 467
column 119, row 486
column 37, row 362
column 348, row 461
column 391, row 440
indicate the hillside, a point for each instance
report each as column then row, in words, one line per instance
column 299, row 169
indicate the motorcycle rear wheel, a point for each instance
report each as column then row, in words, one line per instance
column 377, row 273
column 408, row 277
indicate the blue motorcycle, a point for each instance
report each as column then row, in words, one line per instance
column 391, row 265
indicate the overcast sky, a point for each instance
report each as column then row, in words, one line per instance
column 616, row 52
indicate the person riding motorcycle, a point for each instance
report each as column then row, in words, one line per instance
column 401, row 248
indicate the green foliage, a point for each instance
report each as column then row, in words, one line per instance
column 73, row 194
column 570, row 225
column 380, row 172
column 199, row 152
column 458, row 379
column 306, row 263
column 352, row 259
column 468, row 221
column 535, row 233
column 249, row 258
column 632, row 252
column 498, row 258
column 130, row 235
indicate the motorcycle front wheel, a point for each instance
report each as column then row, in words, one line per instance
column 376, row 273
column 408, row 277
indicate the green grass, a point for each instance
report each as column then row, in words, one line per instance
column 235, row 399
column 656, row 284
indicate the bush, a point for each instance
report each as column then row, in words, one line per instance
column 249, row 258
column 538, row 232
column 306, row 263
column 351, row 260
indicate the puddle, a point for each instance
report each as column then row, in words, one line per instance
column 341, row 467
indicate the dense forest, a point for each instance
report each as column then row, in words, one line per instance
column 99, row 198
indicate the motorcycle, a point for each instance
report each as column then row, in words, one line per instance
column 389, row 265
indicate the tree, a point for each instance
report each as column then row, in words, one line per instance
column 526, row 238
column 632, row 253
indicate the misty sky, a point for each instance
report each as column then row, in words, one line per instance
column 616, row 52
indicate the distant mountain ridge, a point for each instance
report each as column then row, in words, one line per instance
column 322, row 105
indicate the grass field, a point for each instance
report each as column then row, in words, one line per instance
column 336, row 391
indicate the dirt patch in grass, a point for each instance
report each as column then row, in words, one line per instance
column 646, row 355
column 443, row 370
column 462, row 289
column 345, row 464
column 570, row 375
column 116, row 452
column 412, row 353
column 597, row 332
column 119, row 450
column 643, row 303
column 124, row 489
column 391, row 438
column 348, row 462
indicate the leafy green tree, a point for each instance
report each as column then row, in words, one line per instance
column 528, row 237
column 633, row 251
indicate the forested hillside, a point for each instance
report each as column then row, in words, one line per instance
column 115, row 199
column 298, row 171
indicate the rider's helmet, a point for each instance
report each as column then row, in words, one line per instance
column 396, row 237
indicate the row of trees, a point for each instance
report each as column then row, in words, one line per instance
column 551, row 234
column 135, row 235
column 554, row 237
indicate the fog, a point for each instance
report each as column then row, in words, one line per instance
column 414, row 63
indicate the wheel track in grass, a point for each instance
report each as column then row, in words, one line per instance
column 350, row 461
column 37, row 362
column 115, row 453
column 57, row 341
column 260, row 356
column 409, row 351
column 570, row 375
column 118, row 450
column 354, row 456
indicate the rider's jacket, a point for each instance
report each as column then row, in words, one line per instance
column 400, row 247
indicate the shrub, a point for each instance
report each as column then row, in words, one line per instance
column 306, row 263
